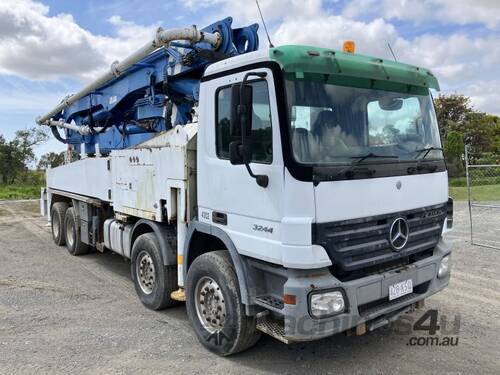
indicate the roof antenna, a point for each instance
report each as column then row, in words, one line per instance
column 264, row 23
column 392, row 52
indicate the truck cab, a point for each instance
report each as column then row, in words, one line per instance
column 348, row 229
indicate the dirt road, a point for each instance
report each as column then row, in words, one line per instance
column 64, row 314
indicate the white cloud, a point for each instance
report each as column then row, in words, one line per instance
column 484, row 95
column 455, row 59
column 272, row 10
column 462, row 63
column 245, row 11
column 449, row 11
column 38, row 46
column 132, row 33
column 330, row 31
column 193, row 4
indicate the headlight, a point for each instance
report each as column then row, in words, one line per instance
column 326, row 304
column 444, row 267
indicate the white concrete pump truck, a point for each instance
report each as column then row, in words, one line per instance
column 296, row 191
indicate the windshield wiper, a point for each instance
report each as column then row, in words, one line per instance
column 427, row 150
column 350, row 169
column 372, row 155
column 420, row 166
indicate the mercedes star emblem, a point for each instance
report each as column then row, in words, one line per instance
column 399, row 233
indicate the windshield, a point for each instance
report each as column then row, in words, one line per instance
column 332, row 124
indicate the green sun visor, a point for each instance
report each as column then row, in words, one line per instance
column 346, row 69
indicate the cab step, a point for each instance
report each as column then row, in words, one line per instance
column 272, row 327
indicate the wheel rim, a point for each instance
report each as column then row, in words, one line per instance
column 145, row 270
column 210, row 304
column 56, row 226
column 70, row 234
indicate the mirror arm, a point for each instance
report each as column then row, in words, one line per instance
column 261, row 179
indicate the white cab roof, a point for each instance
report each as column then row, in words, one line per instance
column 240, row 60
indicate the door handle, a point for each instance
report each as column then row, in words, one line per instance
column 219, row 218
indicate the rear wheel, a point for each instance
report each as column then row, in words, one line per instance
column 74, row 243
column 214, row 306
column 57, row 222
column 153, row 281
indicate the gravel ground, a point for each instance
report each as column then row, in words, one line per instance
column 61, row 314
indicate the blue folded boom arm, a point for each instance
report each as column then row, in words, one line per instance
column 152, row 95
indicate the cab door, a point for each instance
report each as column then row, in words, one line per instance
column 228, row 197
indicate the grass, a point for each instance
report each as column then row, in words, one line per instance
column 479, row 193
column 11, row 192
column 476, row 180
column 459, row 193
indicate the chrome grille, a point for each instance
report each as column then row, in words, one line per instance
column 360, row 243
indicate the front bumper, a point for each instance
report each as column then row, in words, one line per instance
column 367, row 298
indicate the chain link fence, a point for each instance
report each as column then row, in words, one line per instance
column 483, row 189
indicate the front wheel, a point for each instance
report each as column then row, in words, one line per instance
column 214, row 306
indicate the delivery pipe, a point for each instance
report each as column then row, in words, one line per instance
column 162, row 38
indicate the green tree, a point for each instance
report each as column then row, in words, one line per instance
column 17, row 155
column 481, row 131
column 496, row 135
column 5, row 152
column 451, row 112
column 482, row 135
column 454, row 149
column 51, row 160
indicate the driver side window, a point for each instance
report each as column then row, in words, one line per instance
column 261, row 139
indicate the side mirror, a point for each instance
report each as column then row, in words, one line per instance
column 241, row 110
column 239, row 153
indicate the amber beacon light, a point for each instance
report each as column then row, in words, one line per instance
column 349, row 46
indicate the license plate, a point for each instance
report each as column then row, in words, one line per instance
column 400, row 289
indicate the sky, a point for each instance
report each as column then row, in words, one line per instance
column 51, row 48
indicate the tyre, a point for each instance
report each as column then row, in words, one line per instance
column 57, row 223
column 153, row 281
column 214, row 306
column 74, row 243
